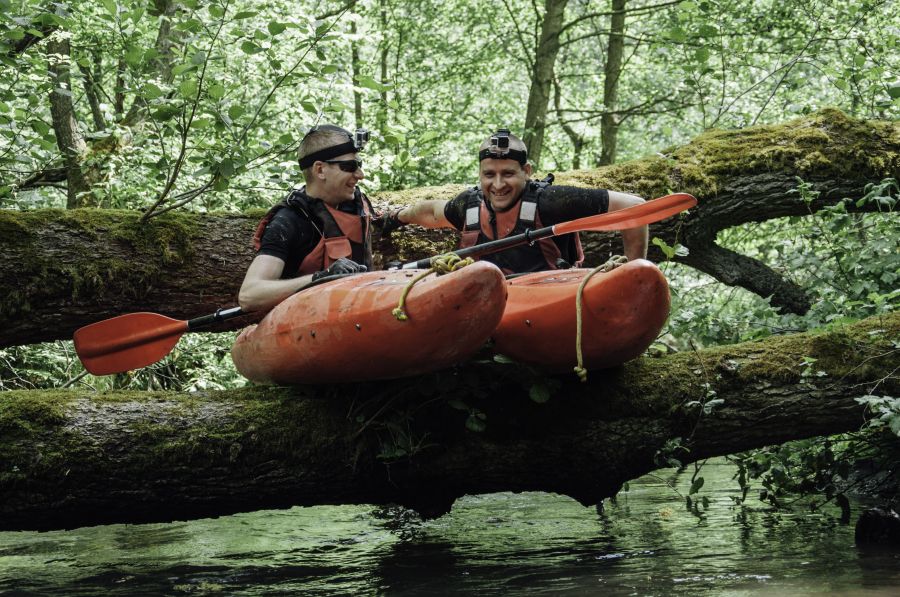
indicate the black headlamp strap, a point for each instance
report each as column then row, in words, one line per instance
column 511, row 154
column 327, row 154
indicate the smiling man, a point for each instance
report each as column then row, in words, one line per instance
column 507, row 202
column 321, row 229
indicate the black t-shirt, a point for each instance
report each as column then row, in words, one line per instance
column 291, row 236
column 555, row 204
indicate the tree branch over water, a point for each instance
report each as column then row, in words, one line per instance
column 74, row 458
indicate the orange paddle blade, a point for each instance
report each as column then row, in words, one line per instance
column 127, row 342
column 631, row 217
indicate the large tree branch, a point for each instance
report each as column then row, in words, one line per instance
column 73, row 458
column 735, row 269
column 59, row 270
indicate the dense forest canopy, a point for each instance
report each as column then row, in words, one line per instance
column 202, row 103
column 191, row 112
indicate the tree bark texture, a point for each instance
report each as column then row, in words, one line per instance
column 71, row 458
column 609, row 124
column 542, row 78
column 60, row 270
column 62, row 111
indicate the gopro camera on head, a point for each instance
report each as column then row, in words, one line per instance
column 360, row 138
column 500, row 142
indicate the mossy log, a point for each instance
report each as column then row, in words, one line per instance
column 71, row 458
column 60, row 270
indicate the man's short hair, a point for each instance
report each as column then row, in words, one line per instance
column 321, row 137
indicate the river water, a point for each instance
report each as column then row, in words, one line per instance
column 644, row 543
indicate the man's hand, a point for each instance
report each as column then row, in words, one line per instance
column 341, row 267
column 390, row 222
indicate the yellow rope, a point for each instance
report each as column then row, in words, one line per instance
column 610, row 265
column 442, row 264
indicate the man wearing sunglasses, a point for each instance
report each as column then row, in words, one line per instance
column 509, row 202
column 321, row 229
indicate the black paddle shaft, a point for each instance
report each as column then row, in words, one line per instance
column 220, row 315
column 225, row 314
column 494, row 246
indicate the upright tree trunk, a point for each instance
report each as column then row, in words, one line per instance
column 354, row 66
column 92, row 83
column 542, row 78
column 381, row 117
column 609, row 124
column 68, row 136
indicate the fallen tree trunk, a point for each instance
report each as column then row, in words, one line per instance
column 70, row 458
column 60, row 270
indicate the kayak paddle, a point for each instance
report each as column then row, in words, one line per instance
column 136, row 340
column 630, row 217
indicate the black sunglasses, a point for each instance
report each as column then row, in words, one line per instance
column 346, row 165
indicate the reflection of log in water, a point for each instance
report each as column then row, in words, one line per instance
column 71, row 459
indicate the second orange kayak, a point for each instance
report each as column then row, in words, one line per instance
column 622, row 310
column 344, row 331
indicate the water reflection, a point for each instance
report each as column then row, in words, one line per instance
column 646, row 542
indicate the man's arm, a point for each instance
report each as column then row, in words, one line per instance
column 634, row 239
column 262, row 287
column 428, row 214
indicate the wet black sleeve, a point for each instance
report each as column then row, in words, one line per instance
column 288, row 237
column 455, row 210
column 561, row 203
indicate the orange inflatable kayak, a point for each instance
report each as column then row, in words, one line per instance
column 344, row 331
column 622, row 314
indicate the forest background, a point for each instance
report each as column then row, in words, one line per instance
column 164, row 105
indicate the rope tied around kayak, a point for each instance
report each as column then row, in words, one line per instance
column 440, row 264
column 610, row 265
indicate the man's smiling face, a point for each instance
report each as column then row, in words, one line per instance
column 503, row 181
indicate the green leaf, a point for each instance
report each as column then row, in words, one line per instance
column 696, row 485
column 216, row 11
column 221, row 183
column 428, row 136
column 198, row 58
column 151, row 91
column 40, row 127
column 133, row 55
column 180, row 69
column 859, row 60
column 368, row 82
column 226, row 167
column 458, row 404
column 216, row 91
column 668, row 251
column 245, row 14
column 476, row 423
column 539, row 393
column 248, row 47
column 235, row 112
column 275, row 27
column 894, row 90
column 188, row 88
column 164, row 113
column 110, row 6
